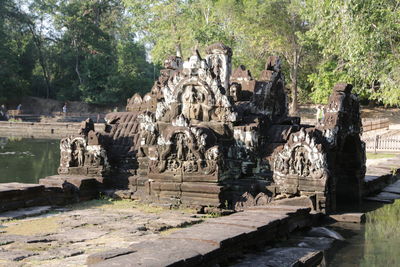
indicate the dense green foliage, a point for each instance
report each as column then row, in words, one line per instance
column 96, row 50
column 360, row 44
column 70, row 50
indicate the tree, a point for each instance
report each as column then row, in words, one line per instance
column 359, row 42
column 16, row 53
column 276, row 27
column 94, row 46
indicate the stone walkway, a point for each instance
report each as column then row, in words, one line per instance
column 125, row 233
column 66, row 237
column 216, row 240
column 378, row 167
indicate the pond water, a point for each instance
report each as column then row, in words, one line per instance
column 27, row 160
column 376, row 243
column 373, row 244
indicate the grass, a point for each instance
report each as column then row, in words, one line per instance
column 126, row 204
column 37, row 247
column 174, row 229
column 3, row 243
column 169, row 231
column 123, row 204
column 380, row 155
column 53, row 262
column 32, row 227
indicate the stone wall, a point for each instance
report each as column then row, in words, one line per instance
column 54, row 130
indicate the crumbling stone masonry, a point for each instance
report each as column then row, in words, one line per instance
column 204, row 136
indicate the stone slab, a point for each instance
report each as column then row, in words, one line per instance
column 355, row 217
column 23, row 213
column 369, row 178
column 311, row 259
column 60, row 180
column 201, row 188
column 283, row 208
column 388, row 196
column 257, row 221
column 282, row 257
column 219, row 235
column 377, row 199
column 392, row 189
column 106, row 255
column 10, row 189
column 163, row 252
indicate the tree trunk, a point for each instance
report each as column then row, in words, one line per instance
column 293, row 76
column 77, row 68
column 77, row 62
column 179, row 50
column 38, row 42
column 178, row 46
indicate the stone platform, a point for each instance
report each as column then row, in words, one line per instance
column 52, row 190
column 212, row 241
column 66, row 236
column 18, row 195
column 380, row 174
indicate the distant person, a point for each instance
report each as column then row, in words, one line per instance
column 98, row 117
column 319, row 115
column 3, row 113
column 116, row 109
column 19, row 108
column 64, row 109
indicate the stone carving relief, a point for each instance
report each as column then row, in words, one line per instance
column 148, row 128
column 83, row 154
column 72, row 152
column 185, row 149
column 246, row 137
column 301, row 156
column 247, row 200
column 197, row 92
column 76, row 152
column 342, row 114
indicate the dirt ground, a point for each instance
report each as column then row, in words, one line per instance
column 308, row 112
column 42, row 106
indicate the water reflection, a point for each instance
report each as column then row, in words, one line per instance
column 382, row 237
column 3, row 142
column 374, row 244
column 27, row 160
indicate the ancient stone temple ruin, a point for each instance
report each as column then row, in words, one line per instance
column 209, row 136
